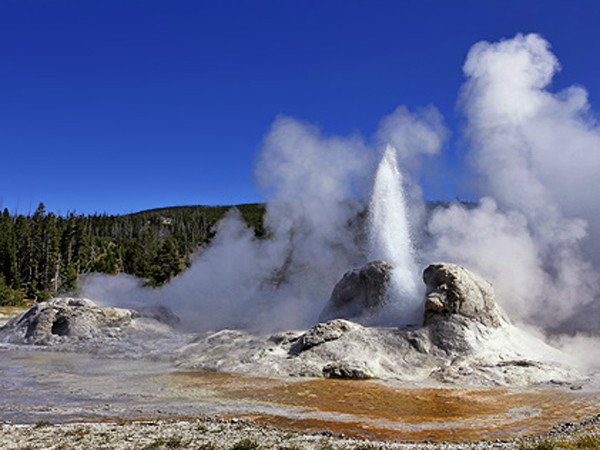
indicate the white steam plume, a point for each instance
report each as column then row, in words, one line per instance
column 535, row 234
column 418, row 138
column 239, row 281
column 317, row 188
column 538, row 156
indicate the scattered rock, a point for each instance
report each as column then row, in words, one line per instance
column 360, row 292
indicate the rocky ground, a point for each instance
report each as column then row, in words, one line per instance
column 209, row 433
column 74, row 375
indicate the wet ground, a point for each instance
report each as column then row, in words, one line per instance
column 375, row 410
column 37, row 385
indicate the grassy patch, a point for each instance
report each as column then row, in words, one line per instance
column 207, row 446
column 245, row 444
column 43, row 424
column 166, row 442
column 586, row 442
column 78, row 433
column 545, row 444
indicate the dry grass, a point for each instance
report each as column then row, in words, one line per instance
column 586, row 442
column 13, row 310
column 165, row 443
column 246, row 444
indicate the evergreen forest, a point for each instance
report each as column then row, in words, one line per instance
column 43, row 254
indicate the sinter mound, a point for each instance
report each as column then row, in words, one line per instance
column 465, row 339
column 63, row 321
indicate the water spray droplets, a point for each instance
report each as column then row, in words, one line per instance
column 390, row 239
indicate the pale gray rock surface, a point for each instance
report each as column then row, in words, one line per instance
column 78, row 324
column 161, row 314
column 323, row 332
column 360, row 292
column 453, row 290
column 355, row 370
column 62, row 318
column 466, row 339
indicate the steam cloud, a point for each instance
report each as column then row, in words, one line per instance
column 538, row 156
column 535, row 233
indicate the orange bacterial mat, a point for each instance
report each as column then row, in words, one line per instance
column 376, row 410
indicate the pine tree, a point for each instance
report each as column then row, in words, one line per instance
column 167, row 262
column 9, row 268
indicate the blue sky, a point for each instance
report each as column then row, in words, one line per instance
column 116, row 106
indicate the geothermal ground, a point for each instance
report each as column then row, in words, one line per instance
column 67, row 388
column 82, row 400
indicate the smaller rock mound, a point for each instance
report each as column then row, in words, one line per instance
column 466, row 339
column 60, row 318
column 321, row 333
column 453, row 290
column 360, row 292
column 349, row 370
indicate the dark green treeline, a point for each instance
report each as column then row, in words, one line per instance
column 43, row 254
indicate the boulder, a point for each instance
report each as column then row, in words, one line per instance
column 348, row 370
column 61, row 318
column 453, row 290
column 161, row 314
column 321, row 333
column 359, row 293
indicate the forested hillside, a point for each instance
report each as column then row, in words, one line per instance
column 43, row 254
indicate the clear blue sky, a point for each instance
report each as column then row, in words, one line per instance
column 117, row 106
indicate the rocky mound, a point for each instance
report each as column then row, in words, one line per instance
column 360, row 292
column 61, row 320
column 465, row 339
column 452, row 290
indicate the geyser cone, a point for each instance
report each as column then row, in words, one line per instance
column 390, row 240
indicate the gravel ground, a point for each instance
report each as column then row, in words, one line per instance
column 216, row 433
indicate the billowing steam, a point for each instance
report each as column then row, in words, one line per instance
column 535, row 233
column 538, row 157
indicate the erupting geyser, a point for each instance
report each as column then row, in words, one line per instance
column 390, row 240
